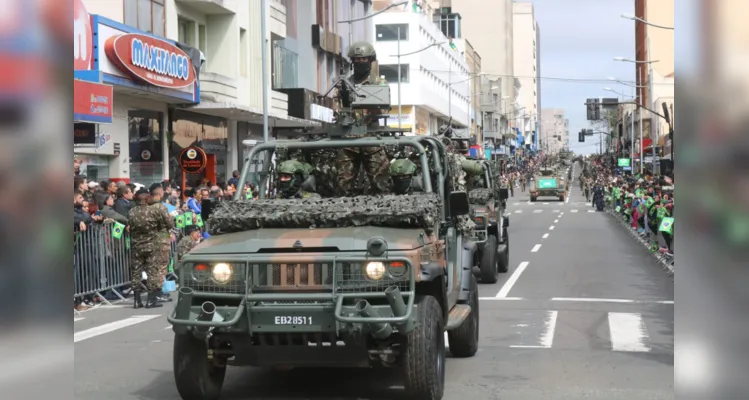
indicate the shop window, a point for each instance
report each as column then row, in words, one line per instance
column 145, row 132
column 389, row 32
column 202, row 39
column 243, row 50
column 205, row 131
column 390, row 73
column 146, row 15
column 186, row 31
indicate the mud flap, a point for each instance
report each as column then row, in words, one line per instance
column 468, row 257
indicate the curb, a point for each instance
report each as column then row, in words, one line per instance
column 666, row 263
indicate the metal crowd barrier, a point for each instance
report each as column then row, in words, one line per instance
column 666, row 261
column 101, row 261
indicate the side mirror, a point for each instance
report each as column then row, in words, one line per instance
column 459, row 204
column 504, row 193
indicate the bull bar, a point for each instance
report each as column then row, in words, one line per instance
column 182, row 321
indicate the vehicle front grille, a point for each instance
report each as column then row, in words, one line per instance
column 290, row 276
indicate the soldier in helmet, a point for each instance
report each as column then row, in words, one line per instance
column 374, row 159
column 403, row 177
column 291, row 175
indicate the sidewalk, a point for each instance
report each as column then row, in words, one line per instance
column 664, row 260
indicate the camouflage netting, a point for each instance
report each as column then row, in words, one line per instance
column 480, row 196
column 412, row 211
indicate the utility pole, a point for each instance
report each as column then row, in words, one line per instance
column 400, row 109
column 650, row 100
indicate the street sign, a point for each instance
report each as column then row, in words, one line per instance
column 624, row 162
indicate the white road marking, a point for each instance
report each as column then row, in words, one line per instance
column 501, row 298
column 555, row 211
column 545, row 236
column 515, row 204
column 556, row 220
column 547, row 337
column 628, row 332
column 551, row 228
column 546, row 204
column 588, row 204
column 77, row 319
column 514, row 278
column 567, row 200
column 110, row 327
column 595, row 300
column 518, row 211
column 573, row 210
column 167, row 328
column 592, row 211
column 535, row 248
column 537, row 211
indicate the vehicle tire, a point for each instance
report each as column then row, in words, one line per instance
column 424, row 356
column 533, row 199
column 195, row 375
column 561, row 198
column 488, row 264
column 503, row 258
column 464, row 340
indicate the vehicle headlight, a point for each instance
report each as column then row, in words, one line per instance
column 222, row 272
column 375, row 270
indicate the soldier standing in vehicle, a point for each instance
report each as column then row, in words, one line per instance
column 291, row 175
column 147, row 225
column 374, row 159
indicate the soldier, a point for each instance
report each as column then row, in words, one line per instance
column 291, row 175
column 376, row 163
column 165, row 239
column 190, row 240
column 147, row 225
column 403, row 177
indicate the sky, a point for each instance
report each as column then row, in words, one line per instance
column 579, row 39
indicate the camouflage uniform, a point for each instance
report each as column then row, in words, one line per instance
column 165, row 239
column 403, row 177
column 185, row 245
column 374, row 159
column 148, row 227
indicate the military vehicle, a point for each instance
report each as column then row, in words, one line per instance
column 488, row 205
column 548, row 183
column 360, row 281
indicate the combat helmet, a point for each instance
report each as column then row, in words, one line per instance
column 362, row 49
column 290, row 176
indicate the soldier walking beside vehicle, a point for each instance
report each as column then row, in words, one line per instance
column 374, row 159
column 148, row 226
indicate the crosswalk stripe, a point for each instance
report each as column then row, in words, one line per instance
column 546, row 204
column 518, row 211
column 573, row 210
column 547, row 335
column 111, row 327
column 537, row 211
column 591, row 211
column 628, row 332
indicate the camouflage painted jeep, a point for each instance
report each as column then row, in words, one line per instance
column 488, row 210
column 548, row 183
column 330, row 282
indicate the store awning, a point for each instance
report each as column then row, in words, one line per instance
column 251, row 115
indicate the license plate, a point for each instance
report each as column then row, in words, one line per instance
column 292, row 320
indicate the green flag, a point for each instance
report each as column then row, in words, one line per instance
column 117, row 230
column 618, row 208
column 127, row 242
column 179, row 221
column 198, row 220
column 188, row 218
column 667, row 225
column 661, row 212
column 649, row 202
column 171, row 265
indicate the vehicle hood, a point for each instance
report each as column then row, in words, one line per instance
column 343, row 239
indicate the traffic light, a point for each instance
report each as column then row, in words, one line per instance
column 581, row 136
column 597, row 110
column 589, row 109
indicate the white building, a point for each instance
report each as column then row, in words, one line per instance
column 555, row 135
column 526, row 67
column 435, row 83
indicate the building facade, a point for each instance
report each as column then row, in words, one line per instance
column 555, row 135
column 526, row 67
column 653, row 43
column 491, row 33
column 434, row 76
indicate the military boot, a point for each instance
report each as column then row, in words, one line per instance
column 151, row 300
column 137, row 299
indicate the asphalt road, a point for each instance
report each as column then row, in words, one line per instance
column 584, row 313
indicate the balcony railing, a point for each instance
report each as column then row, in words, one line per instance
column 285, row 66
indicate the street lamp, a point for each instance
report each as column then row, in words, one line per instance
column 633, row 18
column 399, row 55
